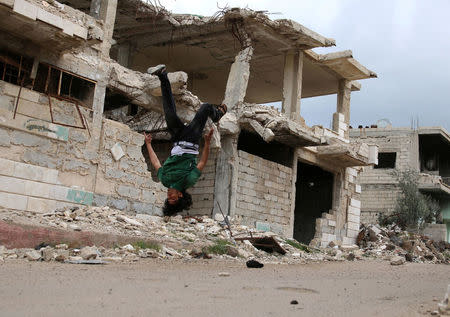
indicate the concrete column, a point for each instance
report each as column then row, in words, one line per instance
column 95, row 8
column 238, row 78
column 105, row 10
column 292, row 84
column 226, row 177
column 290, row 233
column 343, row 99
column 123, row 54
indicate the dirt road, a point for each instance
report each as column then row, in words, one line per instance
column 161, row 288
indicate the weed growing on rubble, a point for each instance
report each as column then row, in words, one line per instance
column 413, row 209
column 298, row 245
column 220, row 246
column 147, row 245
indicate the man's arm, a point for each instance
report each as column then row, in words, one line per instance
column 205, row 152
column 151, row 153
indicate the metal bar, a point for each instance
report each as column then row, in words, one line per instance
column 50, row 106
column 87, row 126
column 20, row 68
column 59, row 82
column 70, row 86
column 48, row 79
column 225, row 218
column 18, row 97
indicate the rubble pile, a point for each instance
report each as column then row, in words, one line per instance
column 201, row 237
column 400, row 246
column 156, row 237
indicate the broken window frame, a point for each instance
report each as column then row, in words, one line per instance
column 386, row 162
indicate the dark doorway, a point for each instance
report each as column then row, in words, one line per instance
column 314, row 195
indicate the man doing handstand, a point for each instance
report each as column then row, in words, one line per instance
column 181, row 170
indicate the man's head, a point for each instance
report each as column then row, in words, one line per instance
column 176, row 202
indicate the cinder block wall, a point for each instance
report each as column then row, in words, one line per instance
column 264, row 192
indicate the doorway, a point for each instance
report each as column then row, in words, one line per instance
column 314, row 195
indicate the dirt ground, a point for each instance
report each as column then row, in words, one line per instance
column 162, row 288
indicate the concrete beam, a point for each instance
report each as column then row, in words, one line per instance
column 238, row 78
column 292, row 84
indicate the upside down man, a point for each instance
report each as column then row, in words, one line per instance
column 181, row 170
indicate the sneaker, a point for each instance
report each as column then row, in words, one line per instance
column 156, row 70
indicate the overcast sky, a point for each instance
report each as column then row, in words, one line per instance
column 406, row 42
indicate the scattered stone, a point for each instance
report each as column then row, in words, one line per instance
column 33, row 255
column 294, row 302
column 397, row 260
column 129, row 220
column 224, row 274
column 351, row 256
column 128, row 247
column 89, row 253
column 48, row 254
column 62, row 246
column 409, row 257
column 61, row 255
column 434, row 313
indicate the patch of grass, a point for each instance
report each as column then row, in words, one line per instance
column 219, row 247
column 146, row 245
column 299, row 246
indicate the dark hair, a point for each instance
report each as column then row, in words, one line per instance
column 183, row 203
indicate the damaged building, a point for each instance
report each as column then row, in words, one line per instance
column 75, row 99
column 425, row 150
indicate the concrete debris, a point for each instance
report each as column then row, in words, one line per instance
column 392, row 241
column 33, row 255
column 397, row 260
column 201, row 237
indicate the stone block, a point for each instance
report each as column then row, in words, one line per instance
column 355, row 203
column 144, row 208
column 117, row 151
column 129, row 192
column 49, row 18
column 7, row 103
column 27, row 139
column 6, row 167
column 148, row 196
column 358, row 189
column 26, row 9
column 10, row 89
column 37, row 189
column 121, row 204
column 58, row 192
column 40, row 205
column 13, row 201
column 353, row 226
column 12, row 185
column 99, row 200
column 352, row 233
column 353, row 218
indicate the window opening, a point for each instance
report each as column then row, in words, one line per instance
column 386, row 160
column 273, row 151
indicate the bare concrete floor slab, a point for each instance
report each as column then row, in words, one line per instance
column 161, row 288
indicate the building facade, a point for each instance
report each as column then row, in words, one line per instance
column 424, row 150
column 75, row 99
